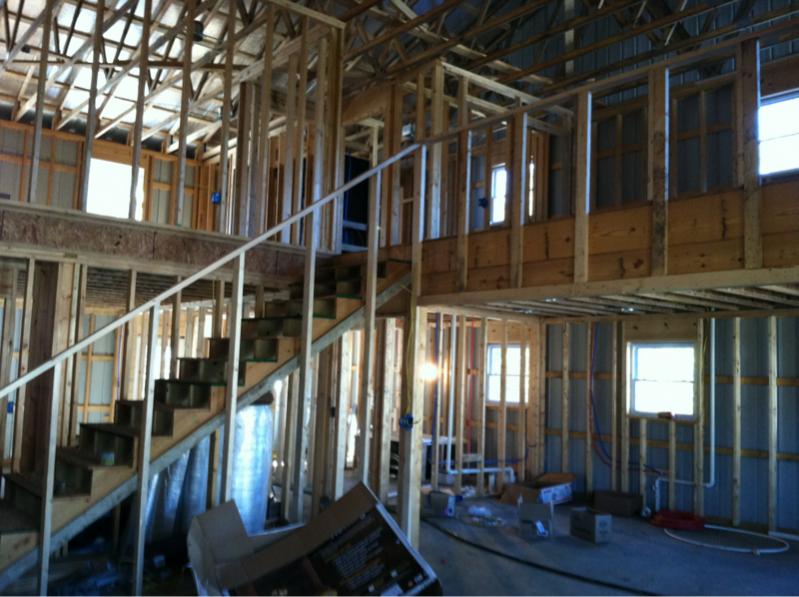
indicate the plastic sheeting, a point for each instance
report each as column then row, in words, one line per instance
column 178, row 493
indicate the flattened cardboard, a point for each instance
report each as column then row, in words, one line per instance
column 353, row 547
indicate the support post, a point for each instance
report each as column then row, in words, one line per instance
column 367, row 379
column 736, row 421
column 589, row 411
column 460, row 399
column 773, row 418
column 174, row 337
column 658, row 166
column 91, row 117
column 749, row 160
column 227, row 102
column 143, row 456
column 144, row 57
column 582, row 195
column 413, row 398
column 185, row 95
column 517, row 198
column 48, row 485
column 564, row 397
column 232, row 378
column 464, row 201
column 502, row 420
column 481, row 404
column 36, row 148
column 699, row 425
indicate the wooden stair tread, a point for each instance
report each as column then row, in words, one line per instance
column 114, row 428
column 14, row 520
column 32, row 483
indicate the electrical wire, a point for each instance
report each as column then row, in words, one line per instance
column 539, row 566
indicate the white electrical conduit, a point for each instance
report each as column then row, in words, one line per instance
column 758, row 551
column 711, row 482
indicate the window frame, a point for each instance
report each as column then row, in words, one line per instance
column 492, row 197
column 512, row 403
column 631, row 411
column 766, row 101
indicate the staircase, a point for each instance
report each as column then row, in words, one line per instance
column 98, row 473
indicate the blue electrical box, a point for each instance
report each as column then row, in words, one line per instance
column 216, row 198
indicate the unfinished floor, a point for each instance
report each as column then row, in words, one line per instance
column 640, row 556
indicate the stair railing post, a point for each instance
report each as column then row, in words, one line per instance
column 232, row 377
column 46, row 522
column 295, row 510
column 144, row 449
column 367, row 377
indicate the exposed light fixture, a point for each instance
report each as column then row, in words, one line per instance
column 550, row 300
column 429, row 371
column 628, row 309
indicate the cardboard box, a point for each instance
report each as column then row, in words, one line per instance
column 531, row 514
column 618, row 503
column 442, row 504
column 549, row 488
column 591, row 525
column 353, row 548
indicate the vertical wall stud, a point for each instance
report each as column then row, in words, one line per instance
column 736, row 421
column 749, row 162
column 658, row 166
column 582, row 196
column 773, row 413
column 564, row 384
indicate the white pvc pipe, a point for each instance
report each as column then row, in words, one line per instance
column 711, row 482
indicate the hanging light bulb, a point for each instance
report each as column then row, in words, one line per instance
column 429, row 371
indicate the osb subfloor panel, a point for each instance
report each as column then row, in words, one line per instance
column 639, row 556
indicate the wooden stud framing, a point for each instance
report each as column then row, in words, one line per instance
column 387, row 385
column 91, row 117
column 465, row 187
column 460, row 398
column 369, row 325
column 436, row 153
column 673, row 464
column 185, row 94
column 521, row 442
column 643, row 454
column 658, row 166
column 174, row 336
column 773, row 421
column 502, row 421
column 564, row 393
column 615, row 401
column 624, row 403
column 36, row 148
column 128, row 362
column 144, row 52
column 533, row 441
column 589, row 412
column 517, row 197
column 227, row 109
column 749, row 162
column 409, row 485
column 232, row 378
column 143, row 457
column 699, row 424
column 482, row 344
column 582, row 199
column 736, row 421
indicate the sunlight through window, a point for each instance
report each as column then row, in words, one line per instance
column 778, row 128
column 109, row 189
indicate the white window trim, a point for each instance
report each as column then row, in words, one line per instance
column 630, row 411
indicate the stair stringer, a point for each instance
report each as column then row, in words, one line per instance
column 102, row 506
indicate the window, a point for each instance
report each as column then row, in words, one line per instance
column 778, row 129
column 494, row 375
column 499, row 193
column 109, row 189
column 662, row 378
column 531, row 190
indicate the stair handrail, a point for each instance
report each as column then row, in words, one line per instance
column 222, row 261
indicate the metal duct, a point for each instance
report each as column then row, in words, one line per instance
column 178, row 493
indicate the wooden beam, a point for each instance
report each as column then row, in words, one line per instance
column 369, row 327
column 589, row 412
column 91, row 117
column 482, row 343
column 748, row 80
column 658, row 166
column 33, row 176
column 464, row 201
column 773, row 420
column 736, row 421
column 144, row 446
column 232, row 378
column 309, row 13
column 409, row 485
column 564, row 397
column 227, row 108
column 615, row 402
column 521, row 443
column 582, row 195
column 289, row 147
column 517, row 198
column 436, row 153
column 140, row 107
column 460, row 398
column 186, row 92
column 502, row 422
column 699, row 423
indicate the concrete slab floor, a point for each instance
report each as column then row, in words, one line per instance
column 640, row 556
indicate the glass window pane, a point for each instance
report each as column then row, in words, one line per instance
column 664, row 396
column 662, row 378
column 664, row 362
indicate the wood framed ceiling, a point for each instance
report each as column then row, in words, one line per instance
column 515, row 50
